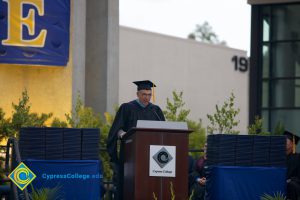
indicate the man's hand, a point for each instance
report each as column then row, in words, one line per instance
column 121, row 133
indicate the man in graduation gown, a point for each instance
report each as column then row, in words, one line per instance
column 293, row 167
column 126, row 118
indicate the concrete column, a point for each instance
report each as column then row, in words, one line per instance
column 102, row 54
column 78, row 19
column 113, row 56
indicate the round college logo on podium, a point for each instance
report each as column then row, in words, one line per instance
column 22, row 176
column 162, row 157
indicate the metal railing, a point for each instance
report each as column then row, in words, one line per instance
column 12, row 159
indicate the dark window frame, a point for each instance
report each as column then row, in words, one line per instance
column 256, row 64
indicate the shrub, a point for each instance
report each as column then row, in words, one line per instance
column 257, row 127
column 59, row 123
column 21, row 117
column 223, row 120
column 175, row 111
column 85, row 117
column 5, row 126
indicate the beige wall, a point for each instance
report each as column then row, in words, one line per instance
column 204, row 72
column 49, row 88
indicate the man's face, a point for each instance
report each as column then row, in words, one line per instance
column 144, row 96
column 289, row 146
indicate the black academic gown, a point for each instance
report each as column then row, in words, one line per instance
column 293, row 176
column 126, row 118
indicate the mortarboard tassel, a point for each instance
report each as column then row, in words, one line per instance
column 153, row 95
column 294, row 145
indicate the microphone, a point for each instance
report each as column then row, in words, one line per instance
column 153, row 109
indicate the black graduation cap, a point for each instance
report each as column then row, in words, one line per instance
column 291, row 136
column 294, row 138
column 144, row 85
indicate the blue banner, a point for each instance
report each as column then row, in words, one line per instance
column 246, row 183
column 76, row 179
column 35, row 32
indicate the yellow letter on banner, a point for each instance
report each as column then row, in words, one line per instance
column 16, row 21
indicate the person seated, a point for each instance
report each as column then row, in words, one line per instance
column 197, row 178
column 293, row 167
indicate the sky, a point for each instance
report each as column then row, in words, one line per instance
column 230, row 19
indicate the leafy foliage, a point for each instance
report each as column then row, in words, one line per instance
column 4, row 125
column 2, row 171
column 192, row 195
column 105, row 127
column 277, row 196
column 175, row 111
column 223, row 120
column 85, row 117
column 45, row 193
column 198, row 137
column 21, row 117
column 59, row 123
column 204, row 33
column 279, row 128
column 172, row 191
column 154, row 196
column 4, row 129
column 257, row 127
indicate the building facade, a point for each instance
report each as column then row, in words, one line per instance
column 275, row 63
column 205, row 73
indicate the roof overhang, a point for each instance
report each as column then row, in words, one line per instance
column 255, row 2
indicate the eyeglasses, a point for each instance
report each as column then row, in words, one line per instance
column 146, row 94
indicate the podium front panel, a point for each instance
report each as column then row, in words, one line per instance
column 137, row 182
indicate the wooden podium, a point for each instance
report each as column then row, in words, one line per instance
column 138, row 184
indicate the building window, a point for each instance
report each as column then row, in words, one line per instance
column 278, row 65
